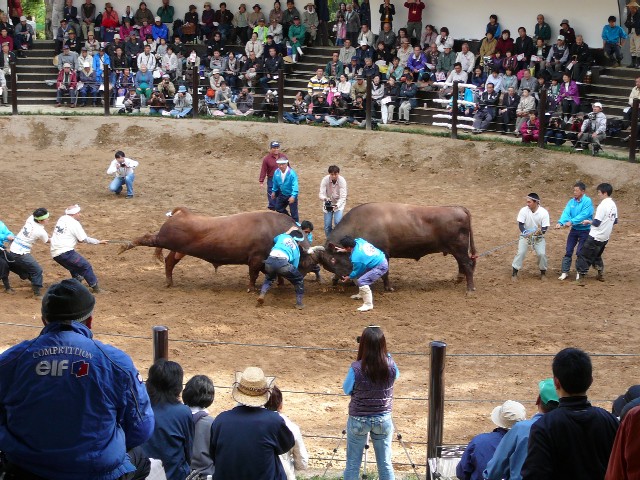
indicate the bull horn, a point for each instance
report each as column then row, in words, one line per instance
column 317, row 248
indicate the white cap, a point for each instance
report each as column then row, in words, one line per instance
column 363, row 43
column 117, row 35
column 508, row 414
column 158, row 19
column 561, row 37
column 597, row 104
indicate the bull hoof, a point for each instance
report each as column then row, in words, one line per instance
column 471, row 293
column 168, row 284
column 460, row 278
column 389, row 289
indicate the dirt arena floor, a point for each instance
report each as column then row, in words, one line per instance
column 212, row 167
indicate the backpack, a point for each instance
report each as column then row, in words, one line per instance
column 614, row 127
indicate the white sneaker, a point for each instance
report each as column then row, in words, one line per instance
column 563, row 276
column 365, row 308
column 357, row 296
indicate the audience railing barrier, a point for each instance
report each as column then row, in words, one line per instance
column 278, row 108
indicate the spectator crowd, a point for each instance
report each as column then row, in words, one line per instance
column 151, row 56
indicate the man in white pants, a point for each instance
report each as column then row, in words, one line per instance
column 601, row 227
column 533, row 221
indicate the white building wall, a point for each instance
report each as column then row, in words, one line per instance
column 465, row 19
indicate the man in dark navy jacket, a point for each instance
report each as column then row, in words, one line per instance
column 246, row 440
column 575, row 439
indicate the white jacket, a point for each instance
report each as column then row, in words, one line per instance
column 339, row 198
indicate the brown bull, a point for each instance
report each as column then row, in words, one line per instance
column 404, row 231
column 241, row 239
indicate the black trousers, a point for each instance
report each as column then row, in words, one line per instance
column 591, row 255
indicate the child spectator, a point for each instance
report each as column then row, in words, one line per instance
column 297, row 458
column 481, row 447
column 198, row 395
column 172, row 438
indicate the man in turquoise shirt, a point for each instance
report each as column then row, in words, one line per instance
column 579, row 208
column 369, row 264
column 613, row 37
column 283, row 260
column 509, row 457
column 5, row 235
column 285, row 189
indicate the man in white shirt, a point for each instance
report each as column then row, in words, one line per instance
column 147, row 58
column 466, row 58
column 333, row 193
column 20, row 251
column 122, row 167
column 66, row 234
column 601, row 226
column 533, row 221
column 456, row 75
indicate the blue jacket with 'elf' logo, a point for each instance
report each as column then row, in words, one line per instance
column 70, row 406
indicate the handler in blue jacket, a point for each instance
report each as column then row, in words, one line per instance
column 369, row 264
column 5, row 235
column 285, row 189
column 70, row 406
column 579, row 208
column 283, row 260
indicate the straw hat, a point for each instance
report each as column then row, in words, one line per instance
column 251, row 387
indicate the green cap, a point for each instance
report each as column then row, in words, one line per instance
column 548, row 391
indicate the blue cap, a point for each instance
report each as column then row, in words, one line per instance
column 182, row 89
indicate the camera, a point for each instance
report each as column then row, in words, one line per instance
column 328, row 206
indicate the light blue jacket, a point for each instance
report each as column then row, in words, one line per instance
column 97, row 65
column 285, row 243
column 365, row 257
column 575, row 212
column 613, row 34
column 4, row 233
column 289, row 187
column 511, row 453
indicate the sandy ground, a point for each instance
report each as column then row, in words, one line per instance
column 212, row 168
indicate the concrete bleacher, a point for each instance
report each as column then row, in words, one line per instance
column 32, row 73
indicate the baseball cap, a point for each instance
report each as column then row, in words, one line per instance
column 274, row 144
column 630, row 395
column 561, row 37
column 597, row 104
column 66, row 65
column 547, row 391
column 23, row 18
column 117, row 35
column 158, row 19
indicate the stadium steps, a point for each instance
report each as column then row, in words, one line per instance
column 32, row 73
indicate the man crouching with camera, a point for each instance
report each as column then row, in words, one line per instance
column 123, row 168
column 333, row 192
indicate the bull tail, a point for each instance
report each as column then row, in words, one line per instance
column 472, row 245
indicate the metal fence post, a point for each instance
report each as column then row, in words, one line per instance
column 106, row 97
column 634, row 130
column 281, row 96
column 14, row 87
column 542, row 118
column 436, row 400
column 160, row 343
column 454, row 111
column 195, row 98
column 369, row 104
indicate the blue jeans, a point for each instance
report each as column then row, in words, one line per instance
column 118, row 182
column 271, row 203
column 381, row 430
column 576, row 237
column 293, row 117
column 281, row 203
column 78, row 267
column 275, row 266
column 331, row 219
column 181, row 113
column 613, row 50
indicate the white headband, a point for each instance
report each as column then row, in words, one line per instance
column 72, row 210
